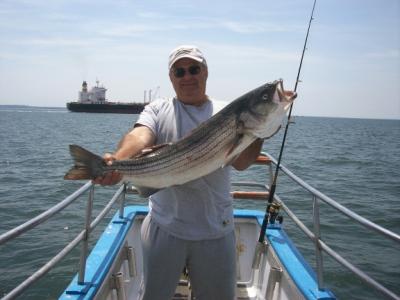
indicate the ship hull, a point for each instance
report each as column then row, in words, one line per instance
column 113, row 108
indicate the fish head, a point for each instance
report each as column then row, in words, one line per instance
column 267, row 108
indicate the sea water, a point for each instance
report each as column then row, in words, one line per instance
column 354, row 161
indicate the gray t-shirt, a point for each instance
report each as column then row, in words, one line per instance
column 199, row 209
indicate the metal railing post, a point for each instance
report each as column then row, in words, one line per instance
column 85, row 241
column 275, row 275
column 119, row 285
column 122, row 204
column 318, row 250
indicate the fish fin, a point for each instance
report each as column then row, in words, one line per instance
column 228, row 158
column 146, row 191
column 87, row 164
column 234, row 145
column 238, row 139
column 150, row 150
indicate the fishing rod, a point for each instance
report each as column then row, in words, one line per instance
column 272, row 210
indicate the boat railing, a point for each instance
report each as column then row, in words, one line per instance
column 314, row 235
column 120, row 195
column 83, row 236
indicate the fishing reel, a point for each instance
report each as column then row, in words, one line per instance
column 273, row 212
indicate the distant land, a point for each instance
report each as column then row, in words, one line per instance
column 13, row 106
column 5, row 107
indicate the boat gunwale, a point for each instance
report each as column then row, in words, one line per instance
column 120, row 228
column 290, row 258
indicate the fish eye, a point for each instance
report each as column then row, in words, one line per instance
column 265, row 97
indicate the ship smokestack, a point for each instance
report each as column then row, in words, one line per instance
column 84, row 86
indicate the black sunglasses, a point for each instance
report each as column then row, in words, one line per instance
column 193, row 70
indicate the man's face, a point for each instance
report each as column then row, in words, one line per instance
column 190, row 88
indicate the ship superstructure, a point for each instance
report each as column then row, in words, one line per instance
column 96, row 95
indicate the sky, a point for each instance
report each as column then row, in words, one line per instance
column 351, row 67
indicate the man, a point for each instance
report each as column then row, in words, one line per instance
column 192, row 224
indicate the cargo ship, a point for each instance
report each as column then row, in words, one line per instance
column 94, row 101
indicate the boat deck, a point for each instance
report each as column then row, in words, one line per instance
column 184, row 292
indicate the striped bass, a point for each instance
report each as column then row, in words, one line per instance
column 213, row 144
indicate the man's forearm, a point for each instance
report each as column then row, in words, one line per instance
column 134, row 142
column 248, row 156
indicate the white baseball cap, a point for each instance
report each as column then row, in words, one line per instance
column 188, row 51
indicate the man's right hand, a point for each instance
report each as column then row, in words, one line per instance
column 133, row 143
column 110, row 178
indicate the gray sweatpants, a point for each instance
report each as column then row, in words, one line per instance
column 211, row 264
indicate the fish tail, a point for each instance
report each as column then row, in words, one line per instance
column 87, row 164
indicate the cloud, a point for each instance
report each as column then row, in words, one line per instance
column 239, row 52
column 253, row 28
column 389, row 53
column 57, row 42
column 136, row 29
